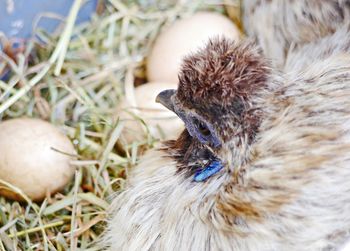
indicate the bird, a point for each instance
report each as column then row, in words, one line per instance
column 281, row 26
column 263, row 163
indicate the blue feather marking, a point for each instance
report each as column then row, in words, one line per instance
column 211, row 169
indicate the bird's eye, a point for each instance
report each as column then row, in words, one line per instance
column 203, row 129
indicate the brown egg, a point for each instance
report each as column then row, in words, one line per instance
column 183, row 37
column 33, row 158
column 161, row 123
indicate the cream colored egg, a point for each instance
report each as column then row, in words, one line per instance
column 32, row 158
column 160, row 122
column 183, row 37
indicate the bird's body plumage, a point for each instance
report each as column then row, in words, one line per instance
column 284, row 187
column 283, row 140
column 281, row 26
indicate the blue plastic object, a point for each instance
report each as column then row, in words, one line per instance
column 212, row 168
column 17, row 16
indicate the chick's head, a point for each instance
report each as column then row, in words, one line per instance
column 218, row 87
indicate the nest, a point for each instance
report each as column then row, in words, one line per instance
column 75, row 79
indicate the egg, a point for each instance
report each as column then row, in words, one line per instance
column 35, row 157
column 161, row 123
column 183, row 37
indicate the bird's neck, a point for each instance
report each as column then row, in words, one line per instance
column 236, row 154
column 238, row 151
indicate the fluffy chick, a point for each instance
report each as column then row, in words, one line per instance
column 280, row 26
column 284, row 141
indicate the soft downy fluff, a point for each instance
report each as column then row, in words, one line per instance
column 282, row 26
column 285, row 183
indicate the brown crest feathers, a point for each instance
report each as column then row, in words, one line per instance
column 221, row 73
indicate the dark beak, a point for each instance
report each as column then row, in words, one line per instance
column 164, row 98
